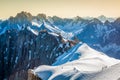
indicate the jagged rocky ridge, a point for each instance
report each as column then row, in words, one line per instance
column 21, row 49
column 23, row 29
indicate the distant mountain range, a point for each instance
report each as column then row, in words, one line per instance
column 94, row 32
column 102, row 18
column 27, row 41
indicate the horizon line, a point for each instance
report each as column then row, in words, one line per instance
column 60, row 16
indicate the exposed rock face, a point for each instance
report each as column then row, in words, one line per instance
column 31, row 76
column 22, row 50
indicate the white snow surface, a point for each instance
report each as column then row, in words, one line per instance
column 55, row 29
column 36, row 23
column 81, row 59
column 54, row 34
column 32, row 30
column 112, row 73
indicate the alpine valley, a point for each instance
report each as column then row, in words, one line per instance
column 52, row 48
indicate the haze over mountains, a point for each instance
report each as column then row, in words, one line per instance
column 28, row 41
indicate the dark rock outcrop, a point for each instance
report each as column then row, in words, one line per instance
column 22, row 50
column 31, row 76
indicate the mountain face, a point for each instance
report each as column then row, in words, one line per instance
column 94, row 32
column 76, row 64
column 27, row 41
column 24, row 46
column 23, row 50
column 103, row 18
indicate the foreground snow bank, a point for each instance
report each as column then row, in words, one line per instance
column 112, row 73
column 74, row 64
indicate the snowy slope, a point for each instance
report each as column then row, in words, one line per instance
column 50, row 28
column 57, row 30
column 36, row 23
column 81, row 59
column 112, row 73
column 33, row 31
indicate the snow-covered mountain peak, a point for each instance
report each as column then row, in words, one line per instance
column 83, row 51
column 95, row 21
column 103, row 18
column 25, row 35
column 81, row 59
